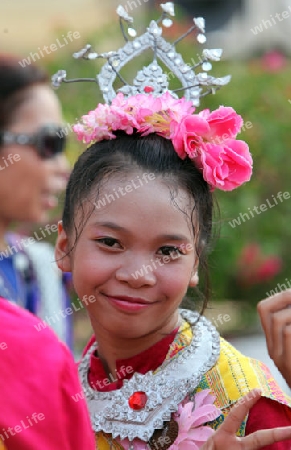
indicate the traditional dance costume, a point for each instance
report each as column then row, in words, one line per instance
column 213, row 367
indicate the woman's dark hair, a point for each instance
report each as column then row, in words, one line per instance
column 153, row 154
column 14, row 80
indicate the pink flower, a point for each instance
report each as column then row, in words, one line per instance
column 224, row 124
column 225, row 166
column 192, row 431
column 188, row 136
column 179, row 107
column 207, row 138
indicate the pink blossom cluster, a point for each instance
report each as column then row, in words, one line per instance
column 207, row 138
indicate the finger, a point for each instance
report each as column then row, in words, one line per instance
column 275, row 303
column 279, row 321
column 265, row 311
column 285, row 364
column 267, row 308
column 262, row 438
column 239, row 411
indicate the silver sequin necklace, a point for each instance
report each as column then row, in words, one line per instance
column 159, row 392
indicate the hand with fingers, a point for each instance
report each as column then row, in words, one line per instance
column 275, row 315
column 225, row 437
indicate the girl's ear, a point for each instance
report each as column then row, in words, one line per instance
column 62, row 248
column 194, row 280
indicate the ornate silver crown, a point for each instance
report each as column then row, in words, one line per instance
column 151, row 79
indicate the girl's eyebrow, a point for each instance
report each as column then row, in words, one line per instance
column 173, row 237
column 111, row 225
column 164, row 237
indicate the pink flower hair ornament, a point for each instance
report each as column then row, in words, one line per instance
column 207, row 138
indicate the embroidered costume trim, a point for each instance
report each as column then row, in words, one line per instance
column 164, row 389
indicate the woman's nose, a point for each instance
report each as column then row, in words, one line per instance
column 62, row 166
column 59, row 169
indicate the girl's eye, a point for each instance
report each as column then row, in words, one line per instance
column 169, row 251
column 109, row 242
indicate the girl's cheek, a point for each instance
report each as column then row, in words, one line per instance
column 176, row 276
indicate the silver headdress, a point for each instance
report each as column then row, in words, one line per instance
column 151, row 79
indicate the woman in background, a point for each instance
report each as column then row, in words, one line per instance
column 33, row 171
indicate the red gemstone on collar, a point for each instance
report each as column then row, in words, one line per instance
column 138, row 400
column 148, row 89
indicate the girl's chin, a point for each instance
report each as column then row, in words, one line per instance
column 132, row 327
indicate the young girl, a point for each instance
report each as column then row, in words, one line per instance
column 136, row 228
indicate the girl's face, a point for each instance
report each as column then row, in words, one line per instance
column 29, row 185
column 135, row 257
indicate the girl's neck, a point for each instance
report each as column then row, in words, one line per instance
column 111, row 348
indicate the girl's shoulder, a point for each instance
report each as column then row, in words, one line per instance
column 234, row 375
column 238, row 375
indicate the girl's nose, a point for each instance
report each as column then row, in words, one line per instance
column 137, row 274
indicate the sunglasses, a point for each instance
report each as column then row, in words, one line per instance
column 49, row 140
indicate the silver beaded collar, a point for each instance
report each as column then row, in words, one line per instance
column 165, row 389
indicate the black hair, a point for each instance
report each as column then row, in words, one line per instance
column 14, row 81
column 154, row 154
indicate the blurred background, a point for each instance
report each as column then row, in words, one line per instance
column 252, row 257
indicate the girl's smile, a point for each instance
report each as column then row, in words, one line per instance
column 129, row 304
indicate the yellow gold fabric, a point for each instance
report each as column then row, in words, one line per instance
column 233, row 376
column 105, row 442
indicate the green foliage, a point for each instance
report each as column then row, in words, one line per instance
column 261, row 97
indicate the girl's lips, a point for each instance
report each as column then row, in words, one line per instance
column 129, row 304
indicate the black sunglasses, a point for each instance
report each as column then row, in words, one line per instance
column 49, row 140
